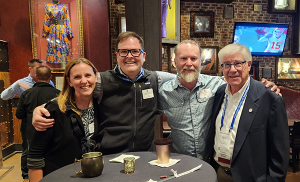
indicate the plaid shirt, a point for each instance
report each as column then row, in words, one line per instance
column 189, row 114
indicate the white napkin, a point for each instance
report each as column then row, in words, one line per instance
column 171, row 162
column 121, row 158
column 151, row 180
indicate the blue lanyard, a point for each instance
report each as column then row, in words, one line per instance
column 237, row 109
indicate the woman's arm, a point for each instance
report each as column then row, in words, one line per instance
column 35, row 175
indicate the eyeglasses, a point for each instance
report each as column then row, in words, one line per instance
column 133, row 52
column 237, row 65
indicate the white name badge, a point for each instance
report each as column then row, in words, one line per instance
column 91, row 128
column 148, row 93
column 205, row 93
column 224, row 137
column 223, row 152
column 223, row 157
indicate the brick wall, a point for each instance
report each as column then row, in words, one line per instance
column 223, row 30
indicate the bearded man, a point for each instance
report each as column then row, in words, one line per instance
column 187, row 101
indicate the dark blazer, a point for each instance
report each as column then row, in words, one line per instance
column 261, row 149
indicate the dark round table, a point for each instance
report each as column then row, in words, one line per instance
column 143, row 170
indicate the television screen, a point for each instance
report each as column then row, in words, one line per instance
column 263, row 39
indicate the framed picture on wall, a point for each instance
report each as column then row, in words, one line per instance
column 202, row 24
column 56, row 36
column 170, row 21
column 171, row 65
column 282, row 6
column 287, row 68
column 209, row 59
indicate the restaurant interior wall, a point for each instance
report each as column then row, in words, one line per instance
column 15, row 29
column 243, row 11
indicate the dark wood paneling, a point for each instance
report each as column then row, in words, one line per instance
column 152, row 27
column 5, row 110
column 4, row 134
column 144, row 19
column 16, row 127
column 134, row 13
column 5, row 117
column 6, row 79
column 4, row 64
column 96, row 33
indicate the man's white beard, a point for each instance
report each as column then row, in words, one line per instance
column 189, row 77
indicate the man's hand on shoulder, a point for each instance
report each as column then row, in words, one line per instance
column 274, row 87
column 38, row 121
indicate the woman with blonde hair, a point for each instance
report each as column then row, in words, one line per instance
column 75, row 128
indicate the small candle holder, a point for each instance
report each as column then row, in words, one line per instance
column 129, row 165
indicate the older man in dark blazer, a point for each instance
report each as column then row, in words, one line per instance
column 251, row 128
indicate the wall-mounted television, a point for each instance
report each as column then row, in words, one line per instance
column 263, row 39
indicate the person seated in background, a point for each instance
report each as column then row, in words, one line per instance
column 251, row 126
column 40, row 93
column 76, row 122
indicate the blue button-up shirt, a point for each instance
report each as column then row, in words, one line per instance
column 189, row 113
column 15, row 89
